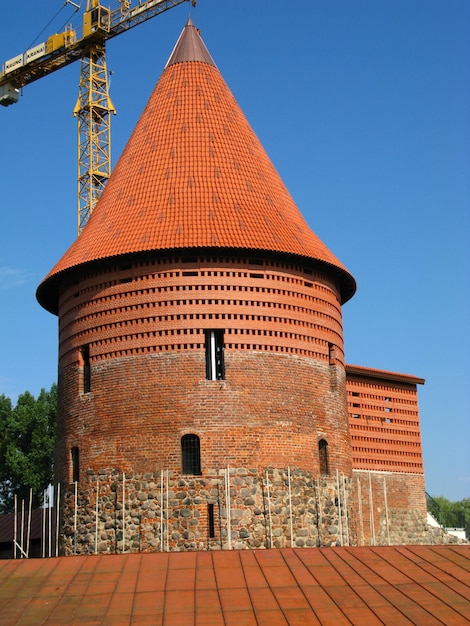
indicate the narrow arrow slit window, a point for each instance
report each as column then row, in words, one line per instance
column 214, row 354
column 323, row 456
column 86, row 369
column 75, row 464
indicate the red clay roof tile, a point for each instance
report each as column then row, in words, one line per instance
column 345, row 585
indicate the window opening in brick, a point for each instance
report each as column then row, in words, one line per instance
column 214, row 354
column 323, row 457
column 211, row 520
column 191, row 454
column 331, row 353
column 75, row 464
column 86, row 375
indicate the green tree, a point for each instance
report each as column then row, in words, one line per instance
column 26, row 446
column 451, row 514
column 5, row 416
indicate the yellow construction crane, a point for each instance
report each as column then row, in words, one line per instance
column 94, row 106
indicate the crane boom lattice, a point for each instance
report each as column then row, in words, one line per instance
column 94, row 105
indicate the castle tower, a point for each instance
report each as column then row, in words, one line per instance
column 202, row 396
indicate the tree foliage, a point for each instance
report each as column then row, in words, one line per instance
column 27, row 437
column 451, row 514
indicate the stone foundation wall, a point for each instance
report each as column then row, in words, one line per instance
column 269, row 508
column 165, row 511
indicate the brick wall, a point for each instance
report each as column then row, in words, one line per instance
column 391, row 508
column 140, row 329
column 143, row 325
column 384, row 420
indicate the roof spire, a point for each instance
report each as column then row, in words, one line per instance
column 190, row 47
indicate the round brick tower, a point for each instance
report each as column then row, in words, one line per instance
column 201, row 359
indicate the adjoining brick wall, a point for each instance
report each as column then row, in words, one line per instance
column 388, row 473
column 391, row 508
column 384, row 420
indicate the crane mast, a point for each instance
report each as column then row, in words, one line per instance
column 94, row 107
column 93, row 111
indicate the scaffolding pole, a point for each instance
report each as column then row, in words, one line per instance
column 161, row 511
column 290, row 507
column 386, row 511
column 57, row 519
column 339, row 508
column 268, row 495
column 359, row 503
column 371, row 512
column 228, row 505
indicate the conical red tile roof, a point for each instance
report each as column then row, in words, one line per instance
column 193, row 175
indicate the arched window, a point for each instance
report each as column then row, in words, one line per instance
column 191, row 454
column 323, row 456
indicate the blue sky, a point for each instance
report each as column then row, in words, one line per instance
column 363, row 107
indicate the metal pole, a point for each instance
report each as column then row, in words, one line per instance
column 57, row 519
column 359, row 502
column 228, row 504
column 386, row 511
column 28, row 536
column 123, row 512
column 161, row 510
column 43, row 538
column 15, row 530
column 49, row 535
column 290, row 508
column 339, row 508
column 22, row 529
column 345, row 501
column 16, row 546
column 96, row 512
column 75, row 520
column 371, row 512
column 319, row 511
column 269, row 511
column 167, row 513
